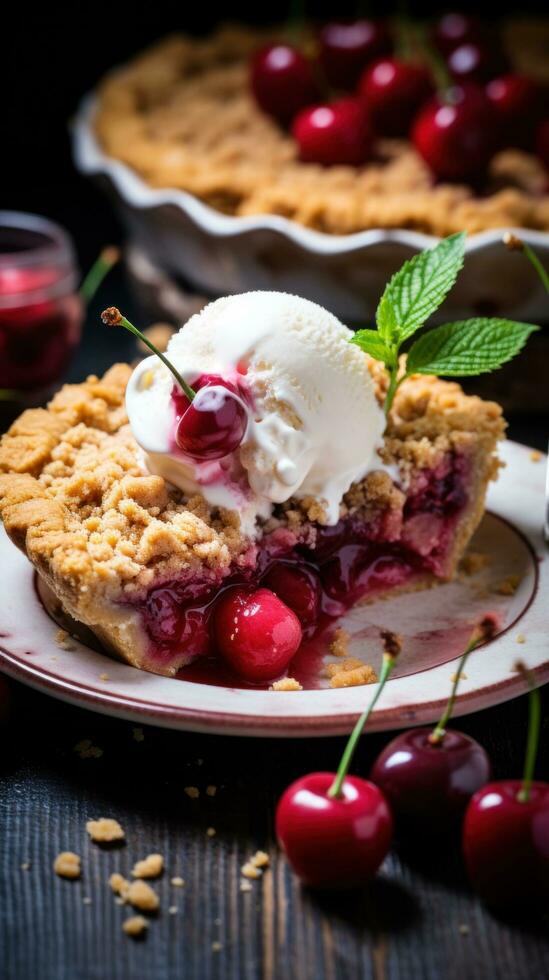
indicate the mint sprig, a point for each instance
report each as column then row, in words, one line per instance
column 466, row 347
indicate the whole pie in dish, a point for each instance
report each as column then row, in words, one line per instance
column 183, row 115
column 168, row 544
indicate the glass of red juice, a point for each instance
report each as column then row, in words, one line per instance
column 40, row 310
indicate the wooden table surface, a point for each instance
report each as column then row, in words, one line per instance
column 418, row 919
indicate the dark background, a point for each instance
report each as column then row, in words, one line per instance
column 53, row 53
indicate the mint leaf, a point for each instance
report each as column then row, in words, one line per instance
column 418, row 289
column 468, row 346
column 371, row 343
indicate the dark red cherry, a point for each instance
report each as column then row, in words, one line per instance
column 256, row 633
column 506, row 844
column 475, row 62
column 517, row 102
column 282, row 81
column 214, row 423
column 338, row 133
column 393, row 92
column 456, row 135
column 542, row 143
column 164, row 616
column 346, row 48
column 454, row 29
column 428, row 786
column 299, row 588
column 333, row 842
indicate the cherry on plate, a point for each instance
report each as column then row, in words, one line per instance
column 393, row 92
column 214, row 423
column 506, row 844
column 282, row 81
column 428, row 786
column 334, row 842
column 517, row 102
column 332, row 134
column 456, row 134
column 255, row 632
column 347, row 47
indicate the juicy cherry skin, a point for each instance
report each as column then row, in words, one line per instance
column 454, row 29
column 457, row 137
column 429, row 786
column 475, row 62
column 333, row 843
column 214, row 423
column 517, row 102
column 298, row 588
column 347, row 47
column 282, row 81
column 256, row 633
column 393, row 92
column 506, row 845
column 335, row 133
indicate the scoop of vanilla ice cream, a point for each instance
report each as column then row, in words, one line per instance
column 315, row 425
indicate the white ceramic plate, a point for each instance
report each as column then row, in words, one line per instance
column 174, row 235
column 434, row 624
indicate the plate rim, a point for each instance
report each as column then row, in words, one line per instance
column 210, row 720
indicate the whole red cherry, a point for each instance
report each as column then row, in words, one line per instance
column 453, row 29
column 282, row 81
column 542, row 143
column 506, row 844
column 255, row 632
column 346, row 47
column 455, row 133
column 214, row 423
column 393, row 92
column 475, row 62
column 517, row 102
column 506, row 830
column 338, row 133
column 333, row 842
column 428, row 785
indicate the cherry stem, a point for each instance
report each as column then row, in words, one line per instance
column 516, row 244
column 389, row 658
column 103, row 264
column 113, row 318
column 438, row 733
column 534, row 723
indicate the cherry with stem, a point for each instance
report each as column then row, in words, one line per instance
column 336, row 829
column 506, row 830
column 429, row 775
column 211, row 419
column 516, row 244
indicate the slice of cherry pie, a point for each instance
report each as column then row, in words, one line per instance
column 161, row 575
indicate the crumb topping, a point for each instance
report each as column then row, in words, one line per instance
column 105, row 830
column 135, row 926
column 67, row 865
column 286, row 684
column 142, row 896
column 150, row 867
column 182, row 115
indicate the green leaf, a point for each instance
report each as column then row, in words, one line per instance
column 371, row 343
column 468, row 347
column 418, row 289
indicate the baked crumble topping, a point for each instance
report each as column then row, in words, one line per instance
column 150, row 867
column 105, row 830
column 67, row 865
column 181, row 115
column 135, row 926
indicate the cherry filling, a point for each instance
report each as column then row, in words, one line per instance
column 256, row 619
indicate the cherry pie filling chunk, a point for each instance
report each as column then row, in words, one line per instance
column 319, row 572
